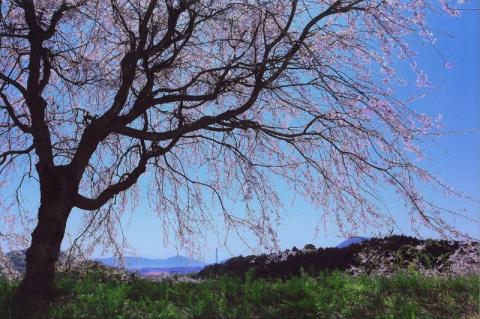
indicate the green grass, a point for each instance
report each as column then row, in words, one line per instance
column 334, row 295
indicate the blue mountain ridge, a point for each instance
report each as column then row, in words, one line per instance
column 352, row 241
column 177, row 264
column 180, row 262
column 135, row 263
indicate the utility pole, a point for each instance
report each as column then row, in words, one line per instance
column 216, row 255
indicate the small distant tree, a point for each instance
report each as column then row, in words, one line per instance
column 211, row 98
column 309, row 247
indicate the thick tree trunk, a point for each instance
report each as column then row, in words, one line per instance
column 55, row 206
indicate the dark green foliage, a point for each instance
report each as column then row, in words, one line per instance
column 434, row 253
column 334, row 295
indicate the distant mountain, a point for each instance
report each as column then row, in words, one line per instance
column 15, row 262
column 352, row 241
column 137, row 263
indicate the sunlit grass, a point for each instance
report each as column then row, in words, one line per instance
column 336, row 295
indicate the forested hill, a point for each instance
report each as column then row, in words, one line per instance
column 371, row 256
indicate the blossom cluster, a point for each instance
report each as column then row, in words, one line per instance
column 464, row 259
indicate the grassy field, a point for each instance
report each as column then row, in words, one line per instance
column 334, row 295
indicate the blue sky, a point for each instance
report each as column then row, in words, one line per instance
column 454, row 157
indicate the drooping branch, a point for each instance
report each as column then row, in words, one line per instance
column 5, row 155
column 127, row 181
column 196, row 90
column 11, row 112
column 106, row 195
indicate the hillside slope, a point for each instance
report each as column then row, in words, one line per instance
column 374, row 256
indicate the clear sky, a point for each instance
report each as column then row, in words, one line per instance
column 454, row 157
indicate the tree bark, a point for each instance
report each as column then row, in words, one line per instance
column 56, row 202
